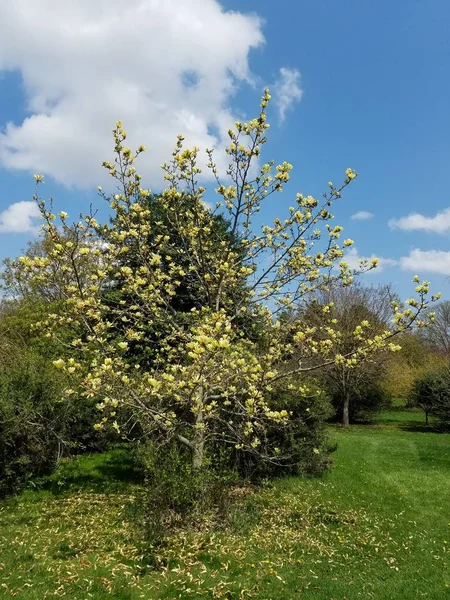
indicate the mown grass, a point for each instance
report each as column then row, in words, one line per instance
column 377, row 526
column 412, row 419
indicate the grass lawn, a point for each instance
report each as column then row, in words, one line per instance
column 377, row 526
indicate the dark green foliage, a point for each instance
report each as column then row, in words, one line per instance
column 305, row 439
column 30, row 440
column 176, row 495
column 165, row 239
column 302, row 444
column 191, row 293
column 37, row 427
column 367, row 398
column 431, row 393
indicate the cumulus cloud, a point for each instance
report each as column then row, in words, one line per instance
column 362, row 215
column 440, row 223
column 287, row 91
column 20, row 218
column 352, row 258
column 432, row 261
column 163, row 67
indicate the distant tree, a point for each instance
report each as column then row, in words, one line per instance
column 50, row 286
column 414, row 360
column 431, row 393
column 437, row 335
column 354, row 386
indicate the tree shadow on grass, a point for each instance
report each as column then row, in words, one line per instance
column 405, row 418
column 422, row 428
column 110, row 471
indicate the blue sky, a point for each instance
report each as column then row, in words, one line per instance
column 375, row 96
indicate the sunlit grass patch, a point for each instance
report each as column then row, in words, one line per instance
column 377, row 526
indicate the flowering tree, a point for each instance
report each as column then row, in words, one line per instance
column 362, row 312
column 208, row 380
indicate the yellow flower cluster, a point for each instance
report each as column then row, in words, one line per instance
column 208, row 379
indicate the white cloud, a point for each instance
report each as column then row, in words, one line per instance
column 362, row 215
column 287, row 90
column 163, row 67
column 440, row 223
column 433, row 261
column 20, row 218
column 352, row 258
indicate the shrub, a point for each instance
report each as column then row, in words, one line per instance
column 177, row 495
column 411, row 363
column 36, row 428
column 366, row 399
column 302, row 444
column 431, row 393
column 29, row 445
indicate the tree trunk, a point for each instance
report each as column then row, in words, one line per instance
column 426, row 417
column 345, row 411
column 198, row 442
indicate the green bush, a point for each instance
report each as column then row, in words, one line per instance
column 36, row 427
column 175, row 495
column 29, row 446
column 366, row 400
column 303, row 446
column 431, row 393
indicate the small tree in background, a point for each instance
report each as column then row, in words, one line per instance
column 49, row 287
column 209, row 382
column 412, row 362
column 431, row 393
column 361, row 311
column 437, row 336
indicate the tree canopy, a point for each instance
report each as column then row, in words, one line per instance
column 209, row 381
